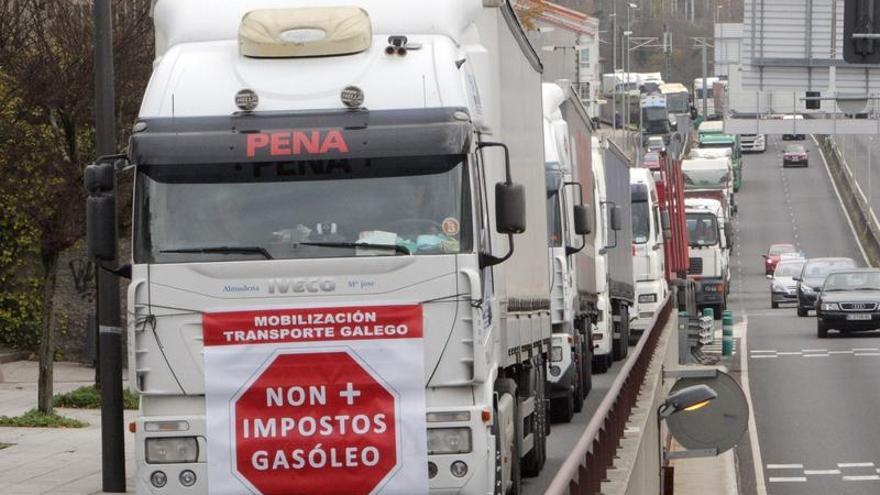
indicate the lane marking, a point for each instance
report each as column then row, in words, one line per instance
column 789, row 353
column 760, row 356
column 761, row 351
column 854, row 464
column 815, row 350
column 864, row 349
column 785, row 466
column 869, row 477
column 757, row 462
column 788, row 479
column 816, row 355
column 809, row 472
column 866, row 354
column 840, row 352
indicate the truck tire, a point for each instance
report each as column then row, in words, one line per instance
column 506, row 386
column 602, row 363
column 577, row 392
column 620, row 346
column 718, row 310
column 563, row 409
column 533, row 462
column 774, row 305
column 587, row 366
column 802, row 312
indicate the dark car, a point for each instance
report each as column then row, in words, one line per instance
column 812, row 277
column 795, row 155
column 849, row 302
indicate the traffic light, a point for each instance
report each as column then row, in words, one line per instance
column 861, row 21
column 814, row 104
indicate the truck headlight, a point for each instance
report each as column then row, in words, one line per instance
column 647, row 298
column 449, row 440
column 555, row 354
column 172, row 450
column 830, row 307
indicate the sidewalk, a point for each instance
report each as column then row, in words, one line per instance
column 54, row 461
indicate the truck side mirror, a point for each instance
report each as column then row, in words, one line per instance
column 101, row 227
column 665, row 225
column 582, row 220
column 616, row 218
column 510, row 208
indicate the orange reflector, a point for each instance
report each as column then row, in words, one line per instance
column 698, row 405
column 570, row 339
column 487, row 416
column 597, row 336
column 132, row 427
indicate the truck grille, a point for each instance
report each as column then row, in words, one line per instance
column 696, row 266
column 858, row 306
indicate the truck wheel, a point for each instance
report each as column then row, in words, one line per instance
column 587, row 367
column 774, row 305
column 821, row 329
column 801, row 311
column 620, row 347
column 533, row 462
column 563, row 409
column 506, row 386
column 577, row 391
column 718, row 309
column 601, row 363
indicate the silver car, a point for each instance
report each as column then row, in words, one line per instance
column 783, row 286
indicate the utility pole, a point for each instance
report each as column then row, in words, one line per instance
column 614, row 69
column 109, row 320
column 705, row 89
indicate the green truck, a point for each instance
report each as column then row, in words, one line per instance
column 731, row 142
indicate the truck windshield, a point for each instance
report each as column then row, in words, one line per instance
column 641, row 222
column 305, row 209
column 702, row 229
column 677, row 102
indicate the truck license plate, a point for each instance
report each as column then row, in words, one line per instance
column 858, row 317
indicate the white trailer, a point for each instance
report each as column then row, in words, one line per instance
column 310, row 165
column 567, row 132
column 649, row 266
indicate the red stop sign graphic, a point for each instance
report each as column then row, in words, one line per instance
column 317, row 423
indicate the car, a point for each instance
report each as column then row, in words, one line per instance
column 651, row 160
column 774, row 254
column 812, row 277
column 783, row 287
column 793, row 137
column 795, row 155
column 849, row 302
column 655, row 144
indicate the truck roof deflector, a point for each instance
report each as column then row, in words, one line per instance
column 304, row 32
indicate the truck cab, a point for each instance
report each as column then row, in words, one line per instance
column 710, row 178
column 648, row 250
column 731, row 142
column 603, row 332
column 710, row 239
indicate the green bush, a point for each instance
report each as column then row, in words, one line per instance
column 89, row 397
column 4, row 445
column 36, row 419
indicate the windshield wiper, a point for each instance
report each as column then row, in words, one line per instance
column 224, row 250
column 867, row 288
column 393, row 247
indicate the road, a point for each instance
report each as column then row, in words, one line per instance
column 816, row 402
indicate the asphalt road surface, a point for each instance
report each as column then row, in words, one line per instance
column 816, row 401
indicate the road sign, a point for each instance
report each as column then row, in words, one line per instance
column 306, row 401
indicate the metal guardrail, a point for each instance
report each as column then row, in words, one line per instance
column 585, row 469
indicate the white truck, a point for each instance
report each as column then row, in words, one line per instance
column 567, row 132
column 649, row 265
column 710, row 237
column 614, row 282
column 333, row 287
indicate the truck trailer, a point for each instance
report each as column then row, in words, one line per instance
column 340, row 261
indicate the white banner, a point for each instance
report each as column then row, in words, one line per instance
column 316, row 401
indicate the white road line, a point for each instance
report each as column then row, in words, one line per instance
column 761, row 351
column 854, row 464
column 789, row 353
column 865, row 349
column 788, row 479
column 867, row 354
column 785, row 466
column 810, row 472
column 757, row 463
column 840, row 352
column 815, row 350
column 759, row 356
column 816, row 355
column 869, row 477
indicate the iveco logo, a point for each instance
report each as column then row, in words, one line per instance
column 300, row 285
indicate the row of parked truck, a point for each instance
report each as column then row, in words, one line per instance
column 411, row 170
